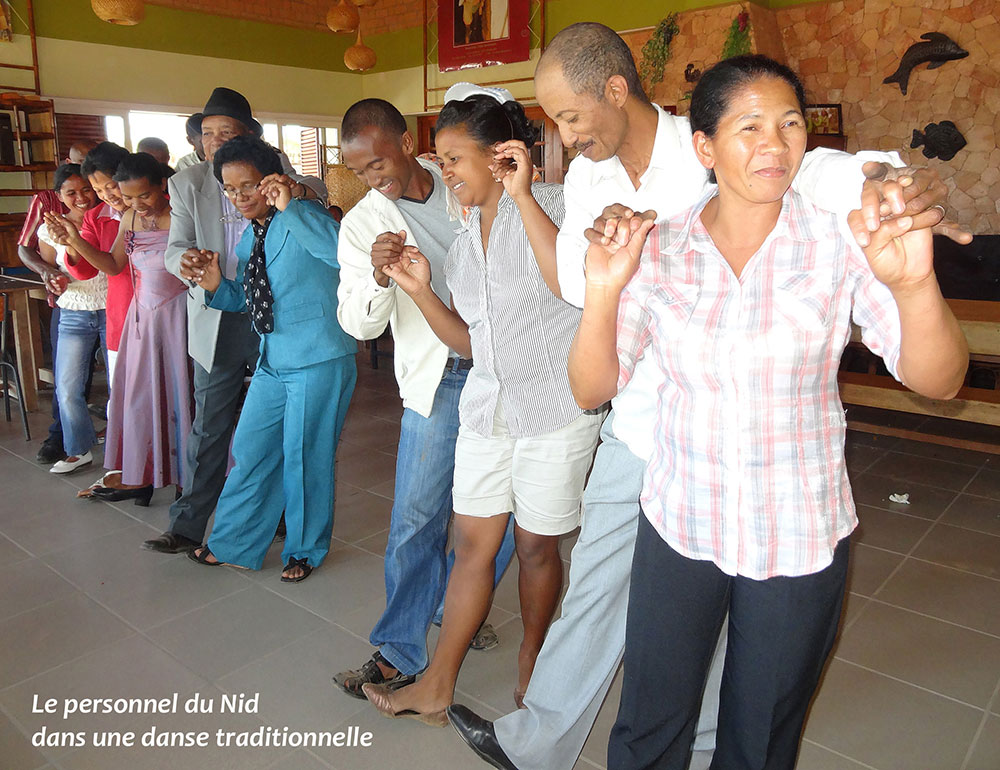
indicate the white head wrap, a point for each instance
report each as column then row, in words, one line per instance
column 461, row 91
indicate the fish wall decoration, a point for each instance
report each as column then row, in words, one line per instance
column 940, row 140
column 938, row 49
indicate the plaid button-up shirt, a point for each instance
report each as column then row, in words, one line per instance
column 748, row 469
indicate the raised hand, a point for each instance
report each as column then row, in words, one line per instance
column 909, row 191
column 412, row 272
column 612, row 265
column 277, row 189
column 512, row 166
column 295, row 189
column 56, row 283
column 900, row 252
column 386, row 250
column 607, row 225
column 61, row 230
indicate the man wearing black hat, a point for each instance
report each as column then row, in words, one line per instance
column 223, row 345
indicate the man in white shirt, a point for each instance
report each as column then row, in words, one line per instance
column 633, row 157
column 408, row 203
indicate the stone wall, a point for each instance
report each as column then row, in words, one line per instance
column 843, row 50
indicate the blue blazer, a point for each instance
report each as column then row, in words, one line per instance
column 300, row 249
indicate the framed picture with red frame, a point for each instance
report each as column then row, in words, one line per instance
column 481, row 33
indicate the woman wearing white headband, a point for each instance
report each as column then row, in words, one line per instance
column 524, row 446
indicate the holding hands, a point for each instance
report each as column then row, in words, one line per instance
column 387, row 250
column 279, row 189
column 201, row 267
column 61, row 230
column 613, row 256
column 411, row 272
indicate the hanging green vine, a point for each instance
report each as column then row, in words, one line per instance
column 738, row 39
column 656, row 51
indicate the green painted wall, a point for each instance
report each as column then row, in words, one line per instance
column 187, row 32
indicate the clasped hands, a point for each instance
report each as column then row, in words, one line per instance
column 200, row 267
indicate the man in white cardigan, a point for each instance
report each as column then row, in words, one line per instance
column 408, row 204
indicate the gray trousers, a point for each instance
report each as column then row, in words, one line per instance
column 216, row 396
column 584, row 647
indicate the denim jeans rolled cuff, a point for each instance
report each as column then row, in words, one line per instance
column 78, row 331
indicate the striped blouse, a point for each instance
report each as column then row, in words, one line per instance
column 521, row 333
column 748, row 467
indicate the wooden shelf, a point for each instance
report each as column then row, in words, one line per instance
column 29, row 136
column 19, row 193
column 31, row 167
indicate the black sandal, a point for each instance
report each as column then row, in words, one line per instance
column 202, row 557
column 292, row 563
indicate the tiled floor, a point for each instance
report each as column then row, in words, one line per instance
column 84, row 613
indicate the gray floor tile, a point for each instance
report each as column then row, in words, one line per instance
column 887, row 724
column 923, row 470
column 889, row 530
column 813, row 757
column 225, row 635
column 929, row 653
column 366, row 470
column 16, row 748
column 59, row 522
column 981, row 514
column 299, row 760
column 869, row 567
column 959, row 597
column 925, row 501
column 11, row 552
column 961, row 549
column 28, row 584
column 986, row 754
column 359, row 514
column 986, row 483
column 54, row 633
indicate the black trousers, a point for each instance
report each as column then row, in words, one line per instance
column 781, row 631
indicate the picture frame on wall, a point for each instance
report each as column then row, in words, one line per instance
column 482, row 33
column 824, row 119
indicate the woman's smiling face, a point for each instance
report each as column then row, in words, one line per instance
column 759, row 142
column 467, row 167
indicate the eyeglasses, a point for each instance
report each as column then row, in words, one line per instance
column 247, row 190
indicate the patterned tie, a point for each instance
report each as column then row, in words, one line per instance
column 257, row 288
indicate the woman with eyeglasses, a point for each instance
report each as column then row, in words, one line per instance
column 287, row 435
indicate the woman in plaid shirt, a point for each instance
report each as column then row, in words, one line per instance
column 745, row 303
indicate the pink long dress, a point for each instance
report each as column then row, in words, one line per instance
column 150, row 412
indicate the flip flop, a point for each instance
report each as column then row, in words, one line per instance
column 292, row 563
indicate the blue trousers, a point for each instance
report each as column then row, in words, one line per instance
column 78, row 331
column 284, row 449
column 416, row 566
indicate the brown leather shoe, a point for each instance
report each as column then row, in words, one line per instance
column 168, row 542
column 352, row 681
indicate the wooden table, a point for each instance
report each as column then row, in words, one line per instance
column 27, row 331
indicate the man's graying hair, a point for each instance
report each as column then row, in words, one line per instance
column 588, row 54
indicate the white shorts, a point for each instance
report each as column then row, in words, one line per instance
column 540, row 479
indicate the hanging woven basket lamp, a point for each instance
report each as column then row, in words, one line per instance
column 124, row 12
column 364, row 3
column 359, row 57
column 343, row 16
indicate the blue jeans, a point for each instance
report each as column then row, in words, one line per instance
column 78, row 331
column 415, row 560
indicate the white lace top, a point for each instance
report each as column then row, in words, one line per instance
column 90, row 295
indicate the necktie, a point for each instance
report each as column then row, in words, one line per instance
column 260, row 301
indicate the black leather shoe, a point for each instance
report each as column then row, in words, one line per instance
column 50, row 452
column 168, row 542
column 141, row 495
column 479, row 734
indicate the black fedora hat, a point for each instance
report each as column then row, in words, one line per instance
column 232, row 104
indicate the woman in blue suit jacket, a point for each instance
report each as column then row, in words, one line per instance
column 295, row 407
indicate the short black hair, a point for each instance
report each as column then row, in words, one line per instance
column 588, row 54
column 64, row 172
column 247, row 149
column 488, row 121
column 193, row 125
column 152, row 144
column 139, row 165
column 371, row 112
column 105, row 158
